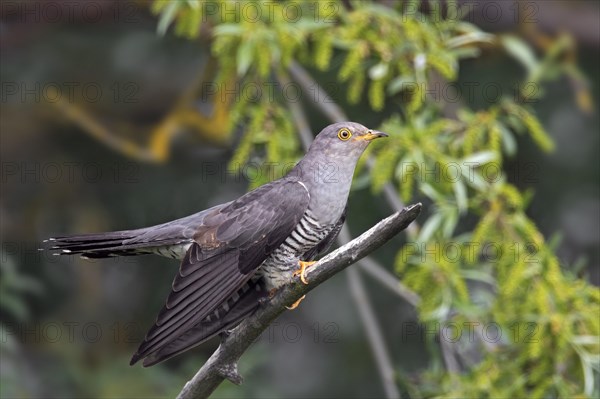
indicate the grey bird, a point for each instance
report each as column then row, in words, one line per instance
column 236, row 255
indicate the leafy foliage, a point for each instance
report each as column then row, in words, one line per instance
column 501, row 269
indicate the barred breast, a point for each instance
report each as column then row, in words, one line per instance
column 308, row 233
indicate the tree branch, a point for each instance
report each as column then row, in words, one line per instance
column 223, row 363
column 388, row 280
column 376, row 339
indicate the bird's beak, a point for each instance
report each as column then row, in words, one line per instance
column 371, row 135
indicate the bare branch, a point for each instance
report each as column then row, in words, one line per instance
column 379, row 273
column 326, row 103
column 223, row 363
column 367, row 316
column 388, row 280
column 448, row 355
column 376, row 339
column 300, row 118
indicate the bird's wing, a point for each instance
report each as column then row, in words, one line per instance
column 323, row 245
column 228, row 247
column 246, row 303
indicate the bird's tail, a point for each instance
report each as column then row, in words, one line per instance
column 114, row 243
column 169, row 239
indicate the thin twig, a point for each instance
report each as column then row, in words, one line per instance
column 302, row 125
column 326, row 104
column 376, row 339
column 380, row 274
column 388, row 280
column 223, row 363
column 449, row 355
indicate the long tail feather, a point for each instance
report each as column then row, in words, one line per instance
column 158, row 239
column 104, row 245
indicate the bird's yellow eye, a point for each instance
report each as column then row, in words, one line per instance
column 344, row 134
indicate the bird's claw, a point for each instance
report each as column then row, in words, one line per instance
column 302, row 273
column 295, row 304
column 302, row 270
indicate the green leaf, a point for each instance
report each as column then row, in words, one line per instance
column 309, row 25
column 474, row 179
column 431, row 192
column 520, row 51
column 460, row 192
column 586, row 340
column 466, row 52
column 245, row 54
column 479, row 158
column 378, row 71
column 405, row 166
column 509, row 144
column 195, row 4
column 167, row 17
column 430, row 227
column 450, row 222
column 400, row 83
column 469, row 38
column 478, row 275
column 228, row 29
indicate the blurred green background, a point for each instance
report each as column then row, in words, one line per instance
column 89, row 142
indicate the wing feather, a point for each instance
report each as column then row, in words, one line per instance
column 229, row 246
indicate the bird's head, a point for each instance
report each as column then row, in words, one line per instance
column 344, row 141
column 333, row 155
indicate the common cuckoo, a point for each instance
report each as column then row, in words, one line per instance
column 236, row 255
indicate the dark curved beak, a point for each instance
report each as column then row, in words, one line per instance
column 372, row 135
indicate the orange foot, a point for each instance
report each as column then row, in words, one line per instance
column 302, row 270
column 295, row 304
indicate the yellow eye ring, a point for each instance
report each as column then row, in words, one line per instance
column 344, row 134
